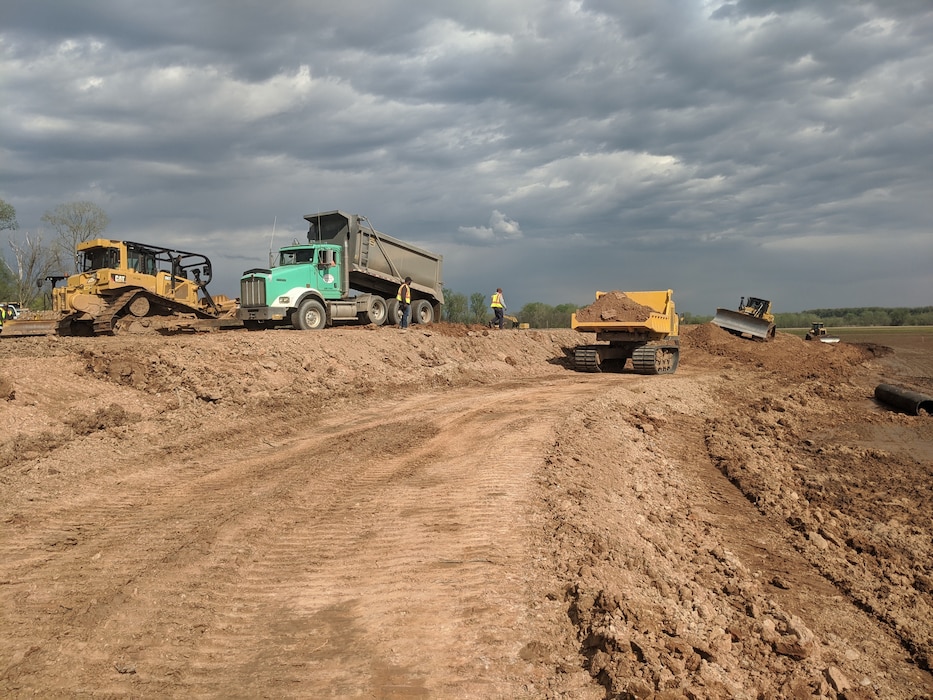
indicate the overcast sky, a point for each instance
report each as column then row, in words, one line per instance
column 777, row 148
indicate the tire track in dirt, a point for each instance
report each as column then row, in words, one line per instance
column 298, row 570
column 395, row 580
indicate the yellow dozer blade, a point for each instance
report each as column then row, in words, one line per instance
column 742, row 324
column 40, row 323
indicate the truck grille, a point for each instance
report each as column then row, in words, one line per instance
column 253, row 291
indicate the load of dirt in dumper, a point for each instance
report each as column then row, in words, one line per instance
column 614, row 306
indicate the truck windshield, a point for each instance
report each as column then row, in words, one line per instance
column 100, row 259
column 296, row 257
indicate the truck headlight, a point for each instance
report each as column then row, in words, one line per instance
column 283, row 301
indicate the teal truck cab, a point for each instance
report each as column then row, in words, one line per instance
column 347, row 272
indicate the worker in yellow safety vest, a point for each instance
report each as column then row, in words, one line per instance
column 498, row 308
column 404, row 303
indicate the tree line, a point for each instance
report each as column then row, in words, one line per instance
column 458, row 308
column 474, row 309
column 858, row 316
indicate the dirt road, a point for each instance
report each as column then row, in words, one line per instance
column 454, row 513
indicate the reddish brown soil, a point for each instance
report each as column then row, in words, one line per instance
column 453, row 512
column 614, row 306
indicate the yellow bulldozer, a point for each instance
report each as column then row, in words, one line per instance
column 818, row 332
column 127, row 286
column 753, row 319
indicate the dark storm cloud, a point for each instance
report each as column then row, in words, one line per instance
column 708, row 147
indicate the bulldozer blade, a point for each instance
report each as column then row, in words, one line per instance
column 742, row 324
column 26, row 327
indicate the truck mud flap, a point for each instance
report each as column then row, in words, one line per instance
column 742, row 324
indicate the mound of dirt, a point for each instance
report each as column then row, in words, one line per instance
column 786, row 354
column 614, row 306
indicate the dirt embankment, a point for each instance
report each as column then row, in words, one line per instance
column 454, row 512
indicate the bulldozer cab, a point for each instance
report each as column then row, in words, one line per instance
column 759, row 308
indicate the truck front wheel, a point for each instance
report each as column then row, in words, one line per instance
column 310, row 316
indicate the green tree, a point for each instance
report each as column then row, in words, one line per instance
column 535, row 314
column 7, row 217
column 455, row 307
column 7, row 282
column 478, row 312
column 561, row 316
column 688, row 318
column 75, row 222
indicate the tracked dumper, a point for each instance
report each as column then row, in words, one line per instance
column 134, row 287
column 642, row 326
column 753, row 319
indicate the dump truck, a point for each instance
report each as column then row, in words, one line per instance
column 129, row 286
column 642, row 326
column 753, row 319
column 818, row 332
column 347, row 272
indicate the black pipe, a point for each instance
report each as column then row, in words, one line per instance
column 906, row 400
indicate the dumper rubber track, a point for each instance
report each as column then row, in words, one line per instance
column 586, row 358
column 655, row 359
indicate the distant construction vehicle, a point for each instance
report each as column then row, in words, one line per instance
column 512, row 322
column 642, row 326
column 347, row 272
column 122, row 285
column 818, row 332
column 752, row 320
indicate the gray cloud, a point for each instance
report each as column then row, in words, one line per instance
column 719, row 149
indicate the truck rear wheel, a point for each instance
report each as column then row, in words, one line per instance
column 422, row 311
column 393, row 317
column 309, row 316
column 377, row 313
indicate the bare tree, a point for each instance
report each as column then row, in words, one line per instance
column 75, row 222
column 34, row 262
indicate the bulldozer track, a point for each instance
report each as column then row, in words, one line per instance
column 103, row 324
